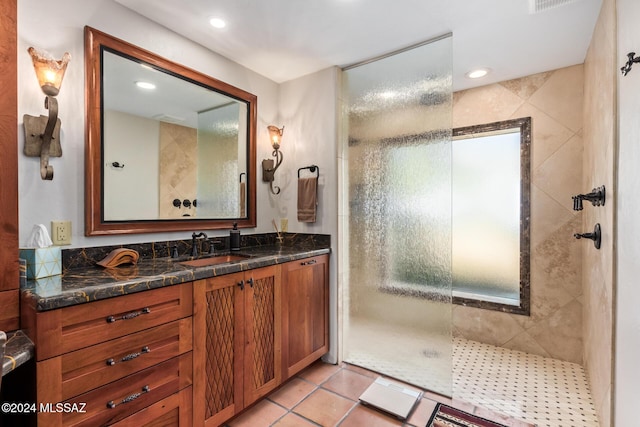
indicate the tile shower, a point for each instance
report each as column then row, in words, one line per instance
column 553, row 332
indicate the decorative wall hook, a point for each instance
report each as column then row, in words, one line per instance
column 597, row 197
column 632, row 60
column 596, row 236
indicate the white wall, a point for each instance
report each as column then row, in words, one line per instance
column 57, row 26
column 627, row 374
column 308, row 107
column 132, row 191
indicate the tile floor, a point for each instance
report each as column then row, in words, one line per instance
column 540, row 390
column 327, row 395
column 492, row 382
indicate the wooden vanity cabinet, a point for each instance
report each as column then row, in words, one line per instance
column 305, row 312
column 112, row 359
column 236, row 344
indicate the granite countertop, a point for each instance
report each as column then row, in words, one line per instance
column 19, row 349
column 94, row 283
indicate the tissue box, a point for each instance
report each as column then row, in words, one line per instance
column 42, row 262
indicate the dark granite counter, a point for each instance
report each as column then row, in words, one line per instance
column 19, row 349
column 92, row 283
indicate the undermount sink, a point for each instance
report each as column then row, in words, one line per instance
column 215, row 260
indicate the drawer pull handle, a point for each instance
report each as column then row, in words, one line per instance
column 128, row 316
column 130, row 356
column 111, row 404
column 241, row 284
column 250, row 281
column 313, row 261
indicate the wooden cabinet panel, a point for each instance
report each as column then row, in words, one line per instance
column 236, row 342
column 71, row 328
column 217, row 349
column 262, row 354
column 173, row 411
column 305, row 308
column 104, row 361
column 95, row 366
column 10, row 311
column 117, row 400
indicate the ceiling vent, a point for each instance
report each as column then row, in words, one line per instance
column 168, row 118
column 537, row 6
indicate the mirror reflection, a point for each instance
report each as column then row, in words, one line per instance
column 175, row 140
column 168, row 148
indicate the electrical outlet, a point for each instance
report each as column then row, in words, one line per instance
column 61, row 232
column 284, row 225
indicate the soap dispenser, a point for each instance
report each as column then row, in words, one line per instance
column 234, row 238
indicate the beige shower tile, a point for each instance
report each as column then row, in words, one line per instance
column 486, row 104
column 547, row 134
column 525, row 343
column 557, row 260
column 487, row 326
column 561, row 334
column 546, row 296
column 561, row 96
column 546, row 214
column 527, row 86
column 560, row 176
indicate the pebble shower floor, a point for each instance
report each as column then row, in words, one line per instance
column 536, row 389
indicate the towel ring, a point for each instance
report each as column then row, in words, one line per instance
column 313, row 169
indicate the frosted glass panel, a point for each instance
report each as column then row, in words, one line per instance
column 486, row 217
column 219, row 193
column 398, row 315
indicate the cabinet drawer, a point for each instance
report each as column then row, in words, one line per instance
column 114, row 402
column 68, row 329
column 94, row 366
column 173, row 411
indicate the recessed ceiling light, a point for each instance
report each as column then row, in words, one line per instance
column 217, row 22
column 477, row 73
column 145, row 85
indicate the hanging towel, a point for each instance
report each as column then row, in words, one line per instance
column 307, row 199
column 243, row 199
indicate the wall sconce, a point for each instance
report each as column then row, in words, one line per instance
column 42, row 134
column 268, row 170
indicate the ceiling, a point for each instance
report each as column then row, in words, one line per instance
column 286, row 39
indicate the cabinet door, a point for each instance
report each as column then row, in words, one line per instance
column 305, row 308
column 262, row 359
column 218, row 346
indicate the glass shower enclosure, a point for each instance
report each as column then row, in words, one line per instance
column 397, row 302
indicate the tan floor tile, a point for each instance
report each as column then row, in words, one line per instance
column 324, row 407
column 293, row 420
column 361, row 371
column 348, row 383
column 292, row 393
column 363, row 416
column 262, row 414
column 319, row 372
column 422, row 412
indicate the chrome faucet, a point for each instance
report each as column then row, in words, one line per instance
column 194, row 242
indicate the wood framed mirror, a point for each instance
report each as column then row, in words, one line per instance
column 167, row 148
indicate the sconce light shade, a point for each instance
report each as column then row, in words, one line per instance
column 49, row 71
column 275, row 136
column 42, row 134
column 268, row 168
